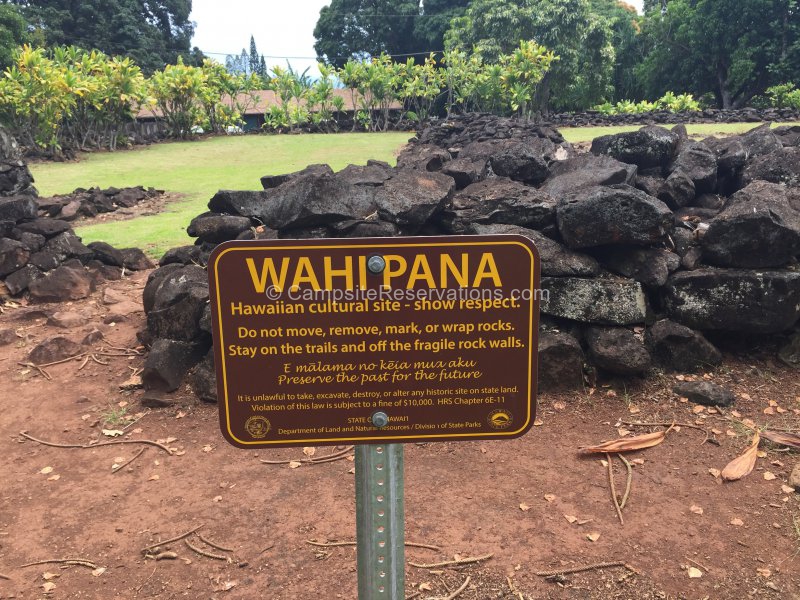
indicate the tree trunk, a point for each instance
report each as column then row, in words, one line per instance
column 542, row 96
column 724, row 92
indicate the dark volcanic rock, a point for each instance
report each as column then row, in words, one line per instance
column 586, row 171
column 60, row 248
column 167, row 284
column 679, row 348
column 31, row 241
column 601, row 301
column 242, row 203
column 135, row 259
column 759, row 227
column 422, row 157
column 678, row 190
column 273, row 181
column 18, row 208
column 465, row 171
column 183, row 255
column 15, row 178
column 704, row 392
column 372, row 174
column 412, row 198
column 617, row 350
column 214, row 228
column 18, row 281
column 307, row 202
column 179, row 319
column 649, row 147
column 734, row 300
column 13, row 256
column 53, row 349
column 203, row 379
column 557, row 261
column 789, row 135
column 359, row 229
column 498, row 201
column 45, row 227
column 650, row 266
column 107, row 254
column 560, row 362
column 167, row 364
column 7, row 337
column 782, row 166
column 699, row 163
column 62, row 284
column 618, row 214
column 526, row 161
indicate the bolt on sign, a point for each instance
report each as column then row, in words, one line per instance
column 367, row 341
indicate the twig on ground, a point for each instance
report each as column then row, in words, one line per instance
column 204, row 553
column 460, row 589
column 6, row 577
column 42, row 372
column 213, row 545
column 571, row 570
column 144, row 583
column 628, row 483
column 136, row 420
column 63, row 561
column 169, row 541
column 84, row 363
column 697, row 564
column 670, row 424
column 97, row 360
column 452, row 563
column 613, row 486
column 129, row 461
column 414, row 595
column 114, row 443
column 514, row 589
column 336, row 544
column 322, row 459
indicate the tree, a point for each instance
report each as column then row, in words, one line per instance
column 582, row 40
column 153, row 32
column 625, row 26
column 13, row 33
column 734, row 49
column 254, row 58
column 355, row 28
column 434, row 21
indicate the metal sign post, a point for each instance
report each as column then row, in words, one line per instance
column 380, row 522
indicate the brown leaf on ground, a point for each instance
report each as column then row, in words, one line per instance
column 778, row 437
column 742, row 465
column 628, row 444
column 737, row 522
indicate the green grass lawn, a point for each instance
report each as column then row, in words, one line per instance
column 196, row 170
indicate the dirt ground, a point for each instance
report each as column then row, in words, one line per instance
column 534, row 504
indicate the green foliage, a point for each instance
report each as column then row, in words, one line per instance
column 13, row 33
column 669, row 101
column 580, row 38
column 784, row 96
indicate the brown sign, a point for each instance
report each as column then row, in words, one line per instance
column 317, row 341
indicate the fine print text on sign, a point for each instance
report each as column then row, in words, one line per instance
column 317, row 341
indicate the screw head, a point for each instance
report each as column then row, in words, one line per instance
column 380, row 419
column 376, row 264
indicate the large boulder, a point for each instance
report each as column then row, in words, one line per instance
column 699, row 163
column 272, row 181
column 678, row 348
column 560, row 361
column 651, row 146
column 60, row 248
column 62, row 284
column 165, row 285
column 16, row 179
column 179, row 319
column 423, row 157
column 498, row 200
column 586, row 171
column 527, row 161
column 13, row 256
column 650, row 266
column 215, row 228
column 412, row 197
column 18, row 208
column 759, row 227
column 734, row 300
column 600, row 301
column 556, row 260
column 677, row 190
column 619, row 214
column 782, row 166
column 19, row 281
column 617, row 350
column 242, row 203
column 465, row 171
column 45, row 227
column 167, row 364
column 374, row 173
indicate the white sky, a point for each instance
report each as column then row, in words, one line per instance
column 280, row 28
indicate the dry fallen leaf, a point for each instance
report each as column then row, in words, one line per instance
column 46, row 471
column 769, row 475
column 697, row 409
column 787, row 489
column 48, row 587
column 737, row 522
column 696, row 509
column 99, row 571
column 634, row 410
column 425, row 587
column 524, row 507
column 153, row 478
column 571, row 518
column 769, row 411
column 622, row 432
column 309, row 451
column 559, row 405
column 694, row 572
column 638, row 461
column 217, row 499
column 778, row 437
column 764, row 572
column 49, row 576
column 593, row 537
column 628, row 444
column 294, row 464
column 736, row 413
column 749, row 423
column 207, row 448
column 113, row 432
column 742, row 465
column 180, row 414
column 549, row 497
column 54, row 478
column 538, row 422
column 715, row 472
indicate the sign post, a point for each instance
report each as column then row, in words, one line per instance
column 375, row 342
